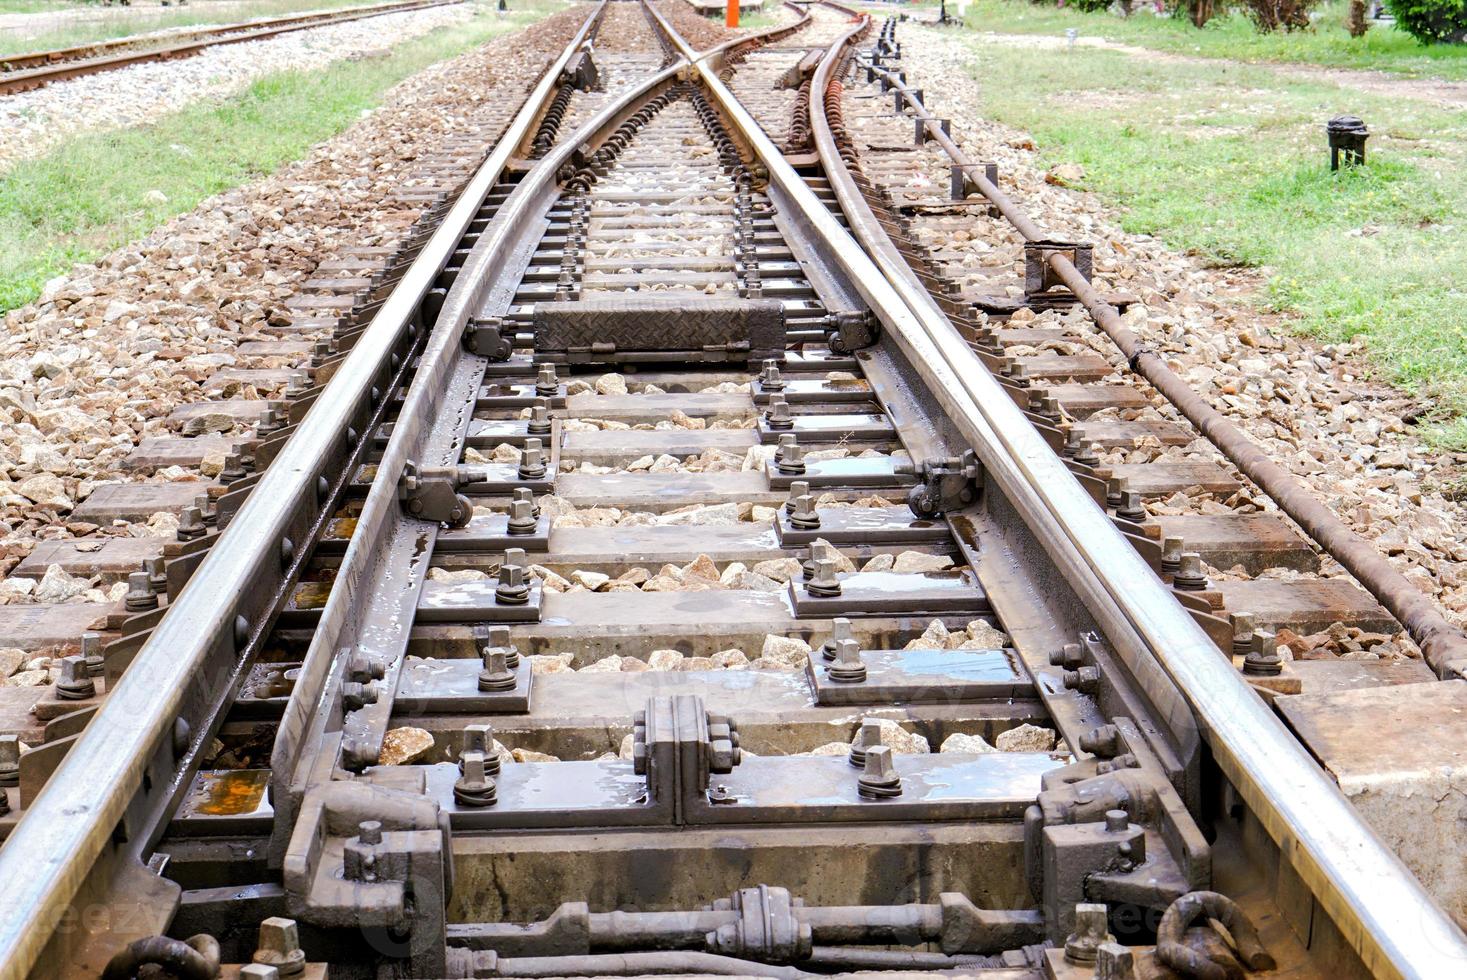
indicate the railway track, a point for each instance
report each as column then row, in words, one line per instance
column 590, row 607
column 24, row 72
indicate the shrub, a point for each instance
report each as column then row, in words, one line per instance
column 1199, row 12
column 1432, row 21
column 1274, row 15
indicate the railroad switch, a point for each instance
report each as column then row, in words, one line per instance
column 944, row 485
column 431, row 493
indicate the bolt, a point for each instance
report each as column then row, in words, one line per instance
column 1067, row 656
column 1171, row 555
column 1263, row 659
column 498, row 639
column 297, row 384
column 804, row 515
column 475, row 788
column 798, row 489
column 1117, row 821
column 792, row 460
column 539, row 423
column 879, row 779
column 496, row 675
column 1086, row 455
column 279, row 944
column 75, row 682
column 514, row 589
column 867, row 737
column 1073, row 441
column 528, row 496
column 1102, row 741
column 1190, row 576
column 1244, row 625
column 355, row 696
column 370, row 832
column 269, row 422
column 1113, row 488
column 1091, row 930
column 785, row 442
column 522, row 517
column 91, row 651
column 9, row 760
column 1131, row 508
column 547, row 385
column 1114, row 962
column 840, row 629
column 532, row 461
column 140, row 595
column 233, row 468
column 1086, row 680
column 778, row 415
column 480, row 738
column 848, row 667
column 206, row 510
column 769, row 378
column 191, row 524
column 824, row 582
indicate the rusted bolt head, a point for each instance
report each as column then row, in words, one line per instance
column 279, row 945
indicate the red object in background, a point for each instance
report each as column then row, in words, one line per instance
column 731, row 14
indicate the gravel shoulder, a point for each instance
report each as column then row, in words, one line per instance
column 1308, row 404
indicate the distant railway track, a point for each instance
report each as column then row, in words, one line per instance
column 667, row 382
column 24, row 72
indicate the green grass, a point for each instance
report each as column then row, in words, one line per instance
column 1229, row 162
column 32, row 6
column 753, row 20
column 92, row 193
column 106, row 23
column 1233, row 36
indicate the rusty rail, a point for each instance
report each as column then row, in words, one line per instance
column 1443, row 645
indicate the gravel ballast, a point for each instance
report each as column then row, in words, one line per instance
column 110, row 349
column 1309, row 405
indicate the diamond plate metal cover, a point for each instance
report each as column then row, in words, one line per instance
column 660, row 324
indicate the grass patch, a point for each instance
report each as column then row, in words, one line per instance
column 753, row 20
column 105, row 23
column 1229, row 162
column 93, row 193
column 1233, row 36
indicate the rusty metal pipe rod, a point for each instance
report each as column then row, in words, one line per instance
column 1443, row 645
column 640, row 964
column 894, row 925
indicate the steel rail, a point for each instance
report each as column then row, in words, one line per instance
column 1443, row 645
column 62, row 64
column 62, row 835
column 345, row 623
column 1375, row 901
